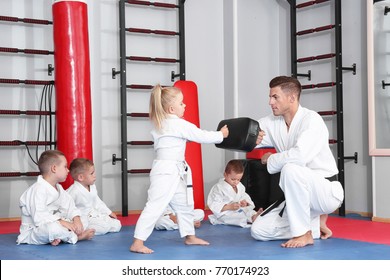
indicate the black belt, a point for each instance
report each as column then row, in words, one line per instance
column 274, row 205
column 282, row 198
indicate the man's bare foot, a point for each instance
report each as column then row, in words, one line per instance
column 193, row 240
column 254, row 217
column 55, row 242
column 299, row 241
column 325, row 231
column 87, row 234
column 139, row 247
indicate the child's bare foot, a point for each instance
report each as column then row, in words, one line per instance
column 299, row 241
column 55, row 242
column 139, row 247
column 254, row 217
column 193, row 240
column 197, row 224
column 87, row 234
column 325, row 231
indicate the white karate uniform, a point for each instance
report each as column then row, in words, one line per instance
column 94, row 212
column 166, row 223
column 168, row 182
column 305, row 161
column 42, row 207
column 221, row 194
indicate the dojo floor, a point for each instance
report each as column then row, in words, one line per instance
column 354, row 238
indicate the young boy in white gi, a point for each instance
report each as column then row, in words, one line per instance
column 305, row 161
column 229, row 202
column 94, row 212
column 49, row 214
column 168, row 182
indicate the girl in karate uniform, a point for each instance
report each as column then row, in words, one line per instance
column 168, row 182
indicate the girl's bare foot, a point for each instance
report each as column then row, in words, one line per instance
column 55, row 242
column 87, row 234
column 139, row 247
column 193, row 240
column 325, row 231
column 197, row 224
column 299, row 241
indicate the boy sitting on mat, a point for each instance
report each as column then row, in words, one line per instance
column 229, row 202
column 94, row 212
column 168, row 221
column 49, row 214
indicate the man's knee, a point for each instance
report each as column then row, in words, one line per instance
column 290, row 169
column 259, row 231
column 292, row 175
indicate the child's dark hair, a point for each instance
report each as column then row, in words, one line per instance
column 78, row 166
column 235, row 165
column 49, row 158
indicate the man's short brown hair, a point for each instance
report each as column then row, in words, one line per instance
column 287, row 84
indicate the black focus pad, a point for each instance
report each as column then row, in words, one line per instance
column 243, row 134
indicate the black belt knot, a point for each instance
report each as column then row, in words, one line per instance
column 274, row 205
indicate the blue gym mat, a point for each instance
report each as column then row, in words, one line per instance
column 226, row 243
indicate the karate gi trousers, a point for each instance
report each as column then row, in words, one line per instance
column 308, row 195
column 45, row 234
column 168, row 186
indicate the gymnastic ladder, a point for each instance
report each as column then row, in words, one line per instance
column 338, row 84
column 46, row 113
column 124, row 86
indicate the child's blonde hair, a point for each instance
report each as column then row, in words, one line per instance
column 160, row 100
column 48, row 159
column 79, row 166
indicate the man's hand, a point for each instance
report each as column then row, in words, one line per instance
column 260, row 137
column 265, row 157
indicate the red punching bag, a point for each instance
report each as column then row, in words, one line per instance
column 193, row 153
column 72, row 80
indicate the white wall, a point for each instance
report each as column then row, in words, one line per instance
column 261, row 54
column 20, row 96
column 205, row 66
column 357, row 176
column 263, row 48
column 378, row 60
column 264, row 52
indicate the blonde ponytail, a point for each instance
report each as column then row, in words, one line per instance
column 160, row 100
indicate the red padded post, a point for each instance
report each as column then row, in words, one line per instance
column 72, row 80
column 193, row 153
